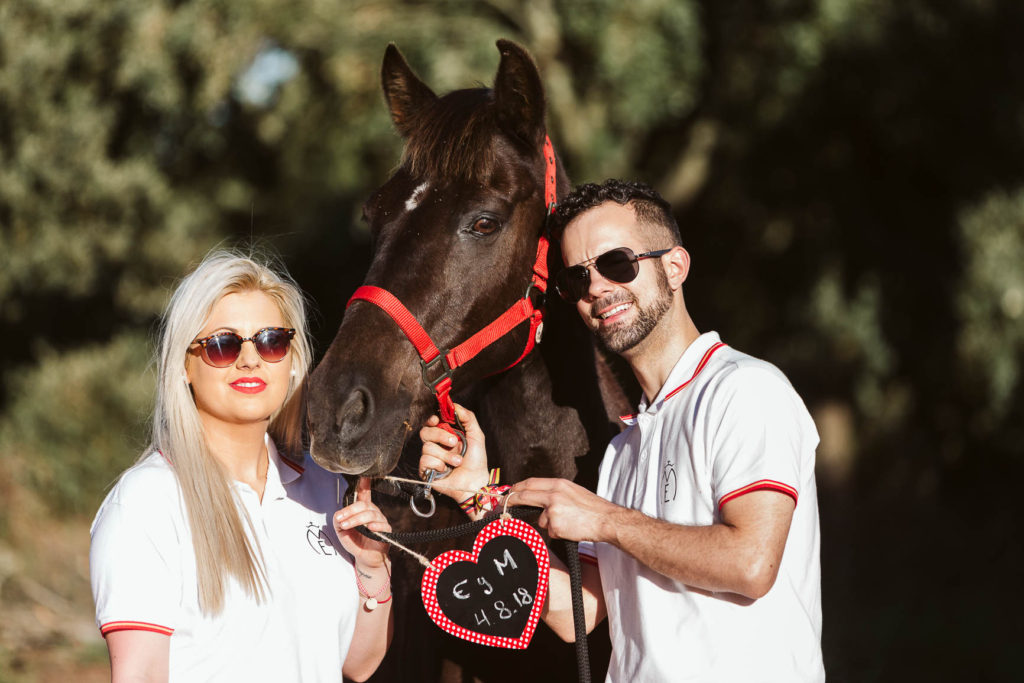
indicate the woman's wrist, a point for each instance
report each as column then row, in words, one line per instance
column 374, row 586
column 379, row 561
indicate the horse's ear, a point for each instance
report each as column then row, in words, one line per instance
column 519, row 95
column 406, row 94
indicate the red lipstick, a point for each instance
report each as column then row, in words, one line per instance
column 249, row 385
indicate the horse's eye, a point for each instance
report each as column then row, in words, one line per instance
column 485, row 225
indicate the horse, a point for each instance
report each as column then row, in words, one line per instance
column 455, row 233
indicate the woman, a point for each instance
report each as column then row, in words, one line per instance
column 216, row 557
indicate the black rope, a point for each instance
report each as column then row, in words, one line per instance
column 409, row 537
column 519, row 512
column 579, row 621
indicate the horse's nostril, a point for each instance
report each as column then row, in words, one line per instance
column 353, row 416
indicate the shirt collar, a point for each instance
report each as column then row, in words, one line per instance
column 280, row 472
column 685, row 369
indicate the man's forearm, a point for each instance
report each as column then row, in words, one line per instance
column 740, row 555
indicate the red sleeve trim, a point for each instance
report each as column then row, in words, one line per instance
column 588, row 559
column 112, row 626
column 763, row 485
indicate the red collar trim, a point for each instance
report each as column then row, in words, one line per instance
column 298, row 468
column 700, row 366
column 631, row 419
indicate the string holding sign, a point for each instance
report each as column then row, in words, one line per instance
column 494, row 594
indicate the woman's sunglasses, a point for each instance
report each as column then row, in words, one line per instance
column 618, row 265
column 223, row 348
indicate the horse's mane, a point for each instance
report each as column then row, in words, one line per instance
column 452, row 139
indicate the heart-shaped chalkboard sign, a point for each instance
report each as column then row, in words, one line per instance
column 494, row 595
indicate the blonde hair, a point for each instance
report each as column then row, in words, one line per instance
column 222, row 547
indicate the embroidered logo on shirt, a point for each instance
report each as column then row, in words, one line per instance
column 668, row 483
column 319, row 541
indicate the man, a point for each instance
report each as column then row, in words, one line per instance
column 704, row 527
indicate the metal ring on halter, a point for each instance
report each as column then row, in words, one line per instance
column 424, row 492
column 420, row 513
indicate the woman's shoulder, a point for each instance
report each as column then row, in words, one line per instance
column 148, row 483
column 142, row 516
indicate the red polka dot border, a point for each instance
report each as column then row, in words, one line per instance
column 510, row 527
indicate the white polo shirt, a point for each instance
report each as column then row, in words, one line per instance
column 144, row 576
column 724, row 424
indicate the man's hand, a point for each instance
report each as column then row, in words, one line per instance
column 571, row 512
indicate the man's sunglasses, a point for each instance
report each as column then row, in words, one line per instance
column 223, row 348
column 618, row 265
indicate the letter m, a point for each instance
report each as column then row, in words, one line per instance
column 504, row 561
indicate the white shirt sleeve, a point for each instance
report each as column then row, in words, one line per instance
column 758, row 436
column 588, row 553
column 135, row 561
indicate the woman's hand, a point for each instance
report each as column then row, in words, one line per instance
column 366, row 551
column 374, row 619
column 441, row 451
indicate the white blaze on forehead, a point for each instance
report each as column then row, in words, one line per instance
column 413, row 201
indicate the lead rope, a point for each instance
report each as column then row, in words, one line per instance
column 400, row 540
column 579, row 621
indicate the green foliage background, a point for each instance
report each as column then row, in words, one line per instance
column 848, row 174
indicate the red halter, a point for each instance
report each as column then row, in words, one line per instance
column 437, row 367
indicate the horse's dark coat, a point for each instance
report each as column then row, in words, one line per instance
column 474, row 157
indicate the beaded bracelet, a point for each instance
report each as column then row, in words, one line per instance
column 487, row 499
column 371, row 600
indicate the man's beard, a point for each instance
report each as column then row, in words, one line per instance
column 622, row 338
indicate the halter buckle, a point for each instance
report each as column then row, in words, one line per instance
column 542, row 297
column 428, row 368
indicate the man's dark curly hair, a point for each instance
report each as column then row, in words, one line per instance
column 648, row 206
